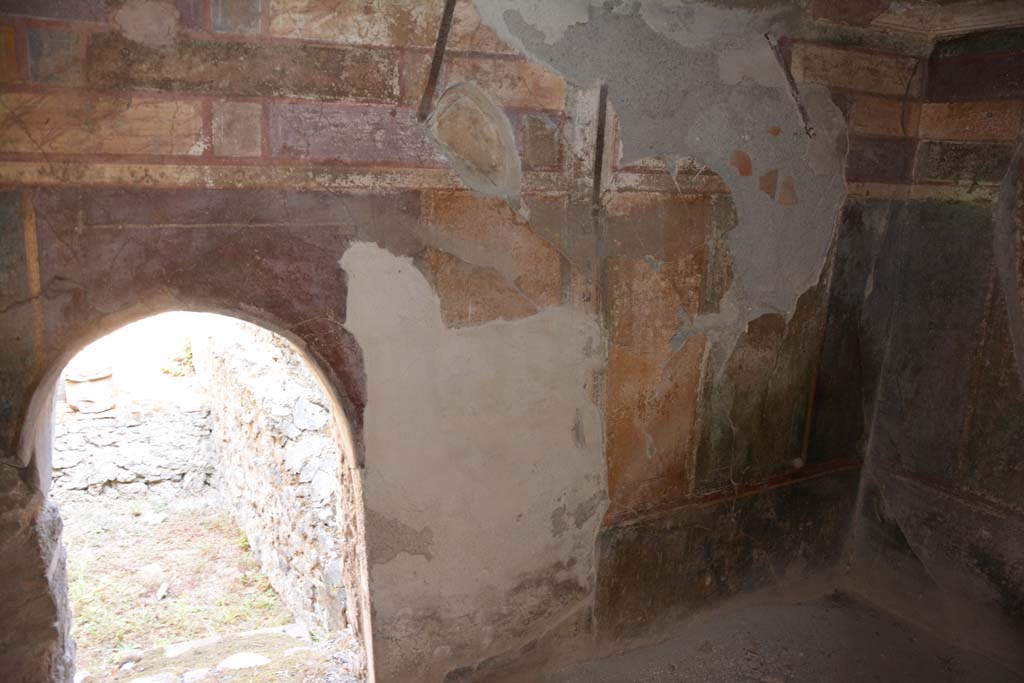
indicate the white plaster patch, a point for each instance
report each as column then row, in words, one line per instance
column 470, row 450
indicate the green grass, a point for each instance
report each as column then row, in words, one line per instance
column 215, row 582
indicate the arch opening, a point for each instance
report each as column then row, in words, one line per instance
column 206, row 475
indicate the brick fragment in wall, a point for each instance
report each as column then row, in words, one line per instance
column 235, row 16
column 882, row 159
column 55, row 56
column 244, row 69
column 963, row 162
column 350, row 133
column 237, row 128
column 857, row 70
column 100, row 125
column 872, row 115
column 971, row 121
column 981, row 77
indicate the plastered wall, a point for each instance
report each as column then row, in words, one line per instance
column 571, row 427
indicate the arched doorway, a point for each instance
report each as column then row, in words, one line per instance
column 279, row 491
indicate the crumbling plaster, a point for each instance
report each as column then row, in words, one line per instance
column 485, row 478
column 704, row 82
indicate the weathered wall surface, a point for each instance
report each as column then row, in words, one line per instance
column 931, row 298
column 279, row 467
column 136, row 448
column 497, row 419
column 700, row 328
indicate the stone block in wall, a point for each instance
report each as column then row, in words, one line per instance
column 874, row 116
column 237, row 129
column 511, row 82
column 963, row 162
column 354, row 22
column 343, row 132
column 78, row 124
column 883, row 159
column 236, row 16
column 970, row 121
column 244, row 69
column 991, row 77
column 851, row 69
column 133, row 448
column 280, row 468
column 55, row 56
column 399, row 23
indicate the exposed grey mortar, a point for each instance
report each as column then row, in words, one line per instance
column 699, row 82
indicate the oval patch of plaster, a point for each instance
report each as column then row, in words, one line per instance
column 476, row 136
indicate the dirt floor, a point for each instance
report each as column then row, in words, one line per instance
column 831, row 638
column 145, row 574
